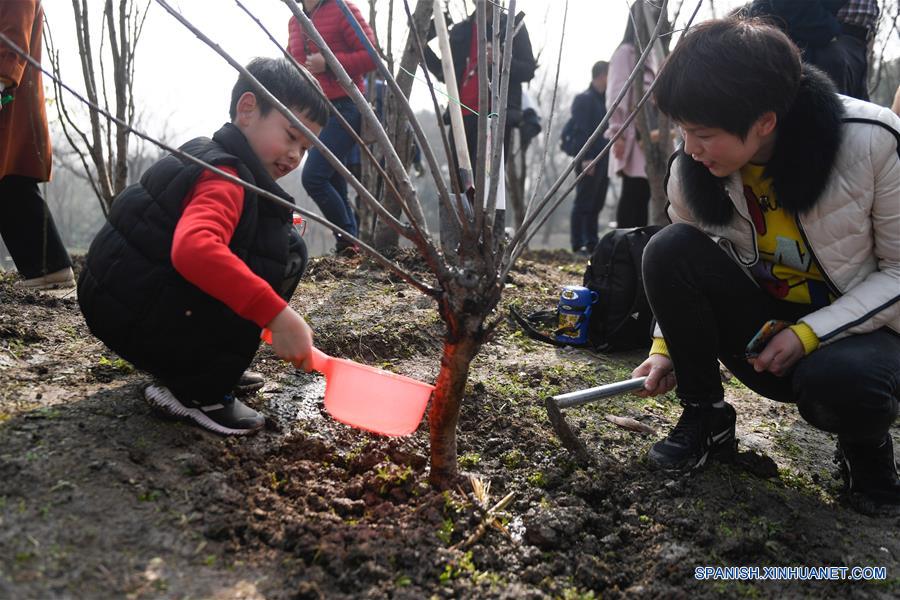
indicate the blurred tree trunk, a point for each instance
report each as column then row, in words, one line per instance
column 395, row 122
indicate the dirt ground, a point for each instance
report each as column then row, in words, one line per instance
column 99, row 498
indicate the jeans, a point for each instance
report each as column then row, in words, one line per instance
column 708, row 309
column 28, row 230
column 632, row 209
column 326, row 187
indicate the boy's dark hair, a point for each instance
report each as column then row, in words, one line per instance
column 726, row 73
column 284, row 82
column 600, row 68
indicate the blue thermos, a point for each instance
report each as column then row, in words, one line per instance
column 574, row 312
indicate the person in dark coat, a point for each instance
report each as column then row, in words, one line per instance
column 834, row 35
column 588, row 110
column 26, row 224
column 190, row 267
column 464, row 48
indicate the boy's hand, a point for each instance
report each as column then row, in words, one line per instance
column 780, row 354
column 315, row 63
column 660, row 375
column 292, row 338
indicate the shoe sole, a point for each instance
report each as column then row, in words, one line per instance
column 246, row 390
column 723, row 452
column 43, row 287
column 172, row 407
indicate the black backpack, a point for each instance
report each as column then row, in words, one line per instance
column 567, row 141
column 621, row 318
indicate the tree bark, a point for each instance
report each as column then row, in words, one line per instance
column 443, row 415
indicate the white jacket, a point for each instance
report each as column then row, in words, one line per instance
column 841, row 172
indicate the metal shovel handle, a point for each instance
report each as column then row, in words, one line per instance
column 604, row 391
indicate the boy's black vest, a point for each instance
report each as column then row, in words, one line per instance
column 135, row 301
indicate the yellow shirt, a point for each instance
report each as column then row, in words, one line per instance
column 786, row 268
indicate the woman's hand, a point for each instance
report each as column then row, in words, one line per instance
column 780, row 354
column 315, row 63
column 660, row 375
column 292, row 338
column 618, row 148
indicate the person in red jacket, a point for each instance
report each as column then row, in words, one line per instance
column 190, row 266
column 320, row 180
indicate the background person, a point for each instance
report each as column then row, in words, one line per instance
column 834, row 35
column 26, row 224
column 628, row 161
column 464, row 48
column 326, row 187
column 588, row 110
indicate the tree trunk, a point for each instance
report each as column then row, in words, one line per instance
column 444, row 413
column 515, row 173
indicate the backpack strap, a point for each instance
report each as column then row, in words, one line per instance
column 526, row 324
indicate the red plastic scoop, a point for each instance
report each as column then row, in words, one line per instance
column 370, row 398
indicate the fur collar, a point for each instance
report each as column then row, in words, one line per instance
column 808, row 140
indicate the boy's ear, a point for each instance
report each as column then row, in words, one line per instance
column 767, row 123
column 245, row 106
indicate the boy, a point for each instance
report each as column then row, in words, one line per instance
column 190, row 267
column 785, row 199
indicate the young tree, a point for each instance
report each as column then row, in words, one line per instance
column 468, row 267
column 103, row 148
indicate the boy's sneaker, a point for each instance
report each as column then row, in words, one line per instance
column 229, row 417
column 870, row 476
column 250, row 382
column 701, row 432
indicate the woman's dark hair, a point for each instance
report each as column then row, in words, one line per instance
column 287, row 84
column 726, row 73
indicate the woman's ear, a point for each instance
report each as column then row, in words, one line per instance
column 766, row 124
column 246, row 106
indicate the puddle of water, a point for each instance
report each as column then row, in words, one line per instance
column 296, row 400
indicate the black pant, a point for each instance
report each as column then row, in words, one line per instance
column 632, row 209
column 590, row 196
column 28, row 229
column 708, row 310
column 846, row 63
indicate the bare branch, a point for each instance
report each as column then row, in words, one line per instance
column 409, row 278
column 516, row 241
column 540, row 171
column 290, row 116
column 393, row 223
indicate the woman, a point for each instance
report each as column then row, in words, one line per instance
column 628, row 160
